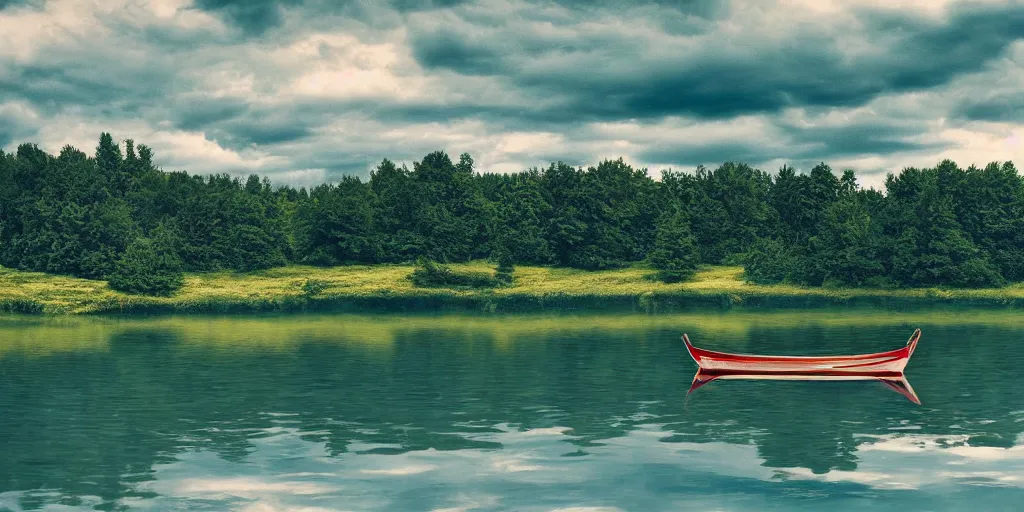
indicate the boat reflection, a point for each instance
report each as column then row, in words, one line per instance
column 893, row 380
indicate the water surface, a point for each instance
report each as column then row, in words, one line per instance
column 454, row 412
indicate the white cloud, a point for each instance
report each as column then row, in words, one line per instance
column 400, row 471
column 25, row 30
column 346, row 87
column 340, row 66
column 530, row 143
column 248, row 487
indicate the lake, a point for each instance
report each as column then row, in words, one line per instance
column 461, row 412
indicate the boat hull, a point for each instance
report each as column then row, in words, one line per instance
column 891, row 362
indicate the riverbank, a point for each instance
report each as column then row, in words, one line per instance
column 387, row 288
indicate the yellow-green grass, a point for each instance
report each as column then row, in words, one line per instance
column 381, row 287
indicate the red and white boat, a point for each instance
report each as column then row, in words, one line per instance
column 878, row 364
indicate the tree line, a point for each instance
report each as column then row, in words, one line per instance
column 115, row 215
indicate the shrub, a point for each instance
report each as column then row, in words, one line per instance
column 767, row 262
column 505, row 269
column 314, row 286
column 675, row 251
column 978, row 273
column 147, row 267
column 430, row 274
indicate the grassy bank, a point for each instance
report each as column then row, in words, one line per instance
column 387, row 288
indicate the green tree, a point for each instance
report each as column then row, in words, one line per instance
column 395, row 203
column 335, row 225
column 845, row 250
column 990, row 207
column 523, row 216
column 602, row 217
column 768, row 261
column 452, row 216
column 731, row 211
column 77, row 214
column 149, row 266
column 930, row 246
column 675, row 253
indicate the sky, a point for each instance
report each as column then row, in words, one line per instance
column 305, row 91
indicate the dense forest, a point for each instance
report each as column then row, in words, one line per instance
column 115, row 215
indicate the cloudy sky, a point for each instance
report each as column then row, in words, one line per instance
column 308, row 90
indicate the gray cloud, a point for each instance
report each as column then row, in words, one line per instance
column 451, row 51
column 199, row 113
column 16, row 3
column 709, row 154
column 708, row 9
column 236, row 124
column 8, row 132
column 1008, row 107
column 630, row 78
column 856, row 140
column 53, row 87
column 801, row 146
column 253, row 17
column 239, row 135
column 15, row 124
column 421, row 5
column 500, row 69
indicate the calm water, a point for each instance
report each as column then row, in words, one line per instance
column 464, row 413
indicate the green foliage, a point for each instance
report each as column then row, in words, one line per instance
column 76, row 214
column 149, row 266
column 977, row 272
column 395, row 201
column 675, row 254
column 844, row 251
column 430, row 274
column 335, row 225
column 768, row 262
column 451, row 212
column 728, row 208
column 312, row 287
column 522, row 221
column 506, row 268
column 931, row 247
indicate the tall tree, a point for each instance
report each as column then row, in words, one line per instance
column 395, row 203
column 523, row 217
column 674, row 255
column 930, row 246
column 335, row 225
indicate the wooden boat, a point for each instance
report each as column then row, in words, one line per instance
column 882, row 363
column 897, row 383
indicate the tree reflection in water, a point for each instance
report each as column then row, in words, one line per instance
column 94, row 422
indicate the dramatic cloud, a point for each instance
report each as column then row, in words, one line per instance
column 307, row 90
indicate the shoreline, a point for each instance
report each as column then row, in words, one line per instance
column 385, row 288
